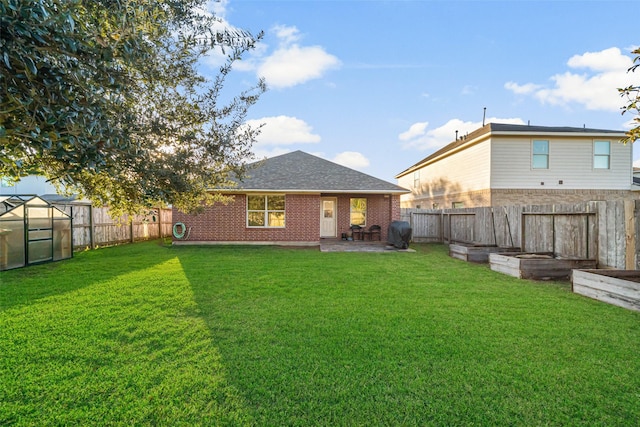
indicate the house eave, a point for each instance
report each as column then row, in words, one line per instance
column 307, row 191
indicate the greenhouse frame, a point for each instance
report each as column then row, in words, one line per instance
column 32, row 231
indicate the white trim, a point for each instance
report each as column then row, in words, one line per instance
column 266, row 210
column 534, row 154
column 335, row 216
column 297, row 191
column 594, row 155
column 366, row 210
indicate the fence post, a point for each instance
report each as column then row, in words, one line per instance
column 92, row 240
column 132, row 239
column 630, row 234
column 160, row 236
column 636, row 266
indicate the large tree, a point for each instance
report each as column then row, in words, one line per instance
column 106, row 98
column 632, row 93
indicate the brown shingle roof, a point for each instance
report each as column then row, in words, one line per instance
column 300, row 172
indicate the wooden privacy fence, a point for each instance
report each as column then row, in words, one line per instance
column 607, row 231
column 93, row 226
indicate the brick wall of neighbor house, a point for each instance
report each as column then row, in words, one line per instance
column 228, row 223
column 446, row 201
column 553, row 196
column 507, row 197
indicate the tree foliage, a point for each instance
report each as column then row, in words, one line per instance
column 106, row 97
column 632, row 93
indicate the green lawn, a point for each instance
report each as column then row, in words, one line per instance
column 147, row 334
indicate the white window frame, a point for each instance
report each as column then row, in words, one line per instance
column 599, row 156
column 535, row 155
column 266, row 211
column 416, row 179
column 352, row 211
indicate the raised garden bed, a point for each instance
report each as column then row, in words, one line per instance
column 617, row 287
column 476, row 252
column 537, row 265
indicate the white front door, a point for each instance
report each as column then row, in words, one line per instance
column 328, row 220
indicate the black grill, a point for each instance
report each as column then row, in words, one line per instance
column 399, row 234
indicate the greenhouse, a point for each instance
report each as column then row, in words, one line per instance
column 32, row 231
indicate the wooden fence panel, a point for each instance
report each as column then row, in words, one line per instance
column 82, row 232
column 636, row 245
column 166, row 226
column 537, row 232
column 426, row 226
column 506, row 222
column 572, row 236
column 461, row 226
column 483, row 227
column 614, row 230
column 94, row 226
column 607, row 231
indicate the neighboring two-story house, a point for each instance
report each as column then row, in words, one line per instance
column 504, row 164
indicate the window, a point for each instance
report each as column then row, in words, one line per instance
column 359, row 212
column 540, row 156
column 457, row 205
column 601, row 154
column 265, row 210
column 416, row 179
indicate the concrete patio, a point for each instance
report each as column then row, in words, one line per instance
column 338, row 245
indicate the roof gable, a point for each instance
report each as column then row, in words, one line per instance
column 302, row 172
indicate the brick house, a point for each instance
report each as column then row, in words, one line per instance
column 294, row 199
column 504, row 164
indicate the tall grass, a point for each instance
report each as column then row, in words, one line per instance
column 151, row 335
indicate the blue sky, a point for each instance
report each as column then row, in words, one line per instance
column 379, row 85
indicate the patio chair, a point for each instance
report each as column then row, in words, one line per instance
column 357, row 232
column 374, row 230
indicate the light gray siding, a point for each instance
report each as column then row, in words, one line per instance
column 570, row 165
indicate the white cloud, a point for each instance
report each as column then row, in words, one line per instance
column 415, row 130
column 468, row 90
column 218, row 7
column 631, row 123
column 283, row 130
column 606, row 60
column 286, row 35
column 351, row 159
column 293, row 65
column 217, row 56
column 524, row 89
column 595, row 87
column 289, row 64
column 443, row 135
